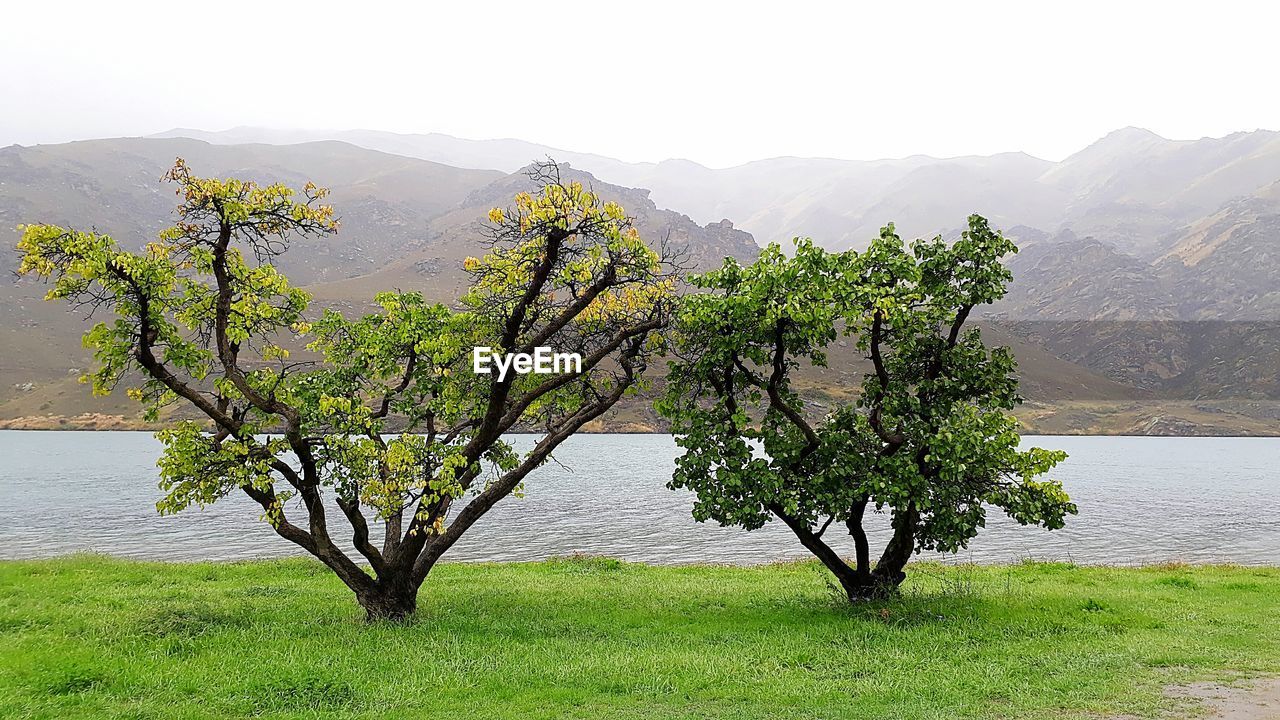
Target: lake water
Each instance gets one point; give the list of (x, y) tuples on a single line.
[(1142, 500)]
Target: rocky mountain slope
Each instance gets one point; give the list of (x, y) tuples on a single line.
[(386, 200), (1201, 321), (1132, 186), (1159, 315), (405, 223)]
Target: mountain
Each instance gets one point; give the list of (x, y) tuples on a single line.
[(435, 266), (1223, 266), (504, 155), (388, 204), (1071, 278), (405, 223), (1140, 188), (1200, 322), (1132, 186), (839, 201), (1227, 264), (385, 200), (1131, 309)]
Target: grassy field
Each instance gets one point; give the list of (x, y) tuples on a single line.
[(90, 637)]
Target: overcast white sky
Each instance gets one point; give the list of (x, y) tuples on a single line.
[(719, 83)]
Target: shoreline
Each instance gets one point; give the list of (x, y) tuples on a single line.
[(6, 425), (787, 564)]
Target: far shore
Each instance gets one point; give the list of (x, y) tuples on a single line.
[(116, 423)]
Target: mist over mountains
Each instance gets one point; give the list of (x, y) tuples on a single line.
[(1170, 229), (1131, 183), (1146, 293), (390, 205)]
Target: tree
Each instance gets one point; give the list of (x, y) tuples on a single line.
[(929, 439), (203, 317)]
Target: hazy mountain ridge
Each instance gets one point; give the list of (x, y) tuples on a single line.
[(1070, 278), (405, 223), (384, 201), (435, 266), (1132, 186), (1227, 264), (1224, 266), (1095, 327)]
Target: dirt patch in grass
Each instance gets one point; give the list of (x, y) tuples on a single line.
[(1256, 700), (1249, 700)]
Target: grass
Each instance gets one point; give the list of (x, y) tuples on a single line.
[(92, 637)]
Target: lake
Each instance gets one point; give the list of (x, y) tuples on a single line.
[(1142, 500)]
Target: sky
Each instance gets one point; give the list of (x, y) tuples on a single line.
[(719, 83)]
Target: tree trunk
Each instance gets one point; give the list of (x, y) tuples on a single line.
[(884, 580), (859, 535), (872, 586), (859, 586), (861, 583), (393, 601)]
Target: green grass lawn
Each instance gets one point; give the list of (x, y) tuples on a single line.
[(90, 637)]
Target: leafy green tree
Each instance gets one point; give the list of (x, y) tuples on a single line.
[(203, 317), (928, 440)]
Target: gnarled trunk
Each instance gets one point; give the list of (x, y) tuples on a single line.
[(393, 595), (862, 582), (870, 586), (389, 600)]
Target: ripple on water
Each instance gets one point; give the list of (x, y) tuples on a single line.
[(1141, 500)]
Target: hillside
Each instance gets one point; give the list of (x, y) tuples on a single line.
[(406, 223), (1107, 340), (386, 200), (1227, 264), (435, 266), (1131, 185), (1070, 278)]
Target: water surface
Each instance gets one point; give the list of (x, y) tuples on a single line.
[(1141, 500)]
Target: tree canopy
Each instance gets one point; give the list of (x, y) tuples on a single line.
[(298, 406), (929, 439)]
